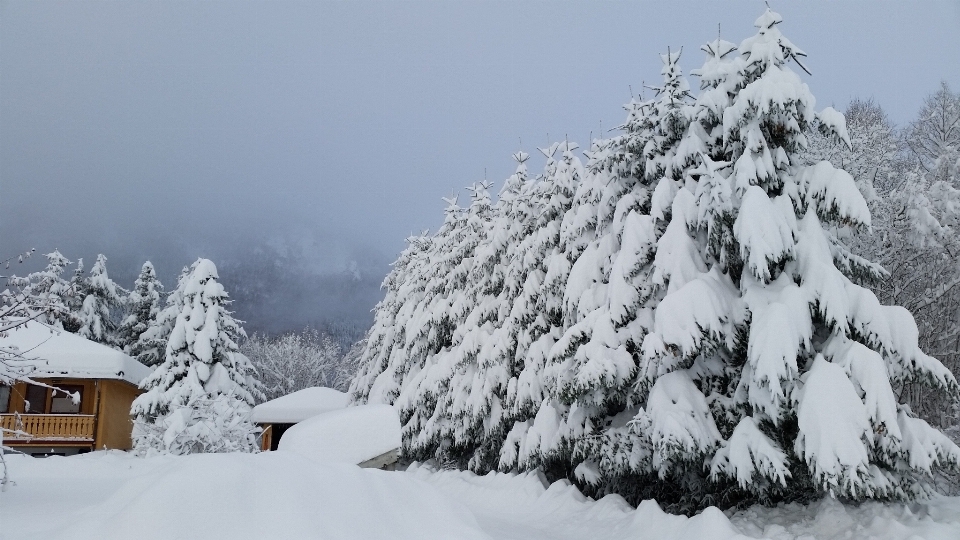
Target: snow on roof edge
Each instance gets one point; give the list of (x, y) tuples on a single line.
[(299, 405), (50, 352)]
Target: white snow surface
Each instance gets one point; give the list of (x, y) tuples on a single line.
[(299, 405), (113, 495), (49, 352), (351, 435)]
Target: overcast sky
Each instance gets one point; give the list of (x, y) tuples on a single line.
[(170, 130)]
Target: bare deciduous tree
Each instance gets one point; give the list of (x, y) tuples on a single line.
[(295, 361)]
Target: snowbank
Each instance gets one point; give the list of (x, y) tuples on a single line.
[(352, 435), (299, 406), (524, 506), (115, 496), (57, 353)]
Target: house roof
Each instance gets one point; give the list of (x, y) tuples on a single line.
[(299, 406), (48, 352)]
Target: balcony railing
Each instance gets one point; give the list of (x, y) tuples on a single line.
[(24, 428)]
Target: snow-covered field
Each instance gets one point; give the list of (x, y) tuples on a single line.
[(280, 495)]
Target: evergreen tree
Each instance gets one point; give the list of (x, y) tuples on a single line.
[(143, 304), (608, 293), (680, 319), (486, 406), (383, 362), (150, 348), (781, 368), (48, 288), (441, 315), (199, 398), (74, 299), (101, 296), (469, 383)]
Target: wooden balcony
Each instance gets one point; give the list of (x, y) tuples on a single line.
[(47, 428)]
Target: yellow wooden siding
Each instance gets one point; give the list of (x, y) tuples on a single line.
[(103, 421), (114, 424)]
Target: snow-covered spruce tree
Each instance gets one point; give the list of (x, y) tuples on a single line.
[(383, 362), (102, 299), (485, 404), (766, 363), (426, 313), (143, 307), (48, 288), (537, 313), (199, 398), (436, 397), (74, 299), (150, 348), (689, 323), (609, 293)]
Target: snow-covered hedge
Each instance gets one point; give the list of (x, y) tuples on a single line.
[(679, 317)]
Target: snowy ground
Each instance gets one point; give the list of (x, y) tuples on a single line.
[(113, 495)]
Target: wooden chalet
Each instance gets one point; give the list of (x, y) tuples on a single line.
[(42, 419)]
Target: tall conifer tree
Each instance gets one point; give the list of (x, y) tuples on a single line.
[(199, 398)]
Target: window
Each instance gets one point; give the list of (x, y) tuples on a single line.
[(36, 399), (62, 401), (4, 398)]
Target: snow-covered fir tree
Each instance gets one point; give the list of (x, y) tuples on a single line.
[(48, 288), (383, 362), (143, 307), (199, 398), (484, 407), (914, 215), (442, 314), (151, 346), (74, 298), (102, 300), (685, 318)]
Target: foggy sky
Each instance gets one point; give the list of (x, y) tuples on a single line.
[(328, 131)]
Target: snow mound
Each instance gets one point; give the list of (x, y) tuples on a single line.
[(114, 495), (299, 406), (352, 435), (511, 505), (938, 518), (239, 496)]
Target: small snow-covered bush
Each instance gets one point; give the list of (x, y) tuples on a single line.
[(220, 424)]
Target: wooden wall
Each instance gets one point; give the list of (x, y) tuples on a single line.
[(87, 404), (114, 424)]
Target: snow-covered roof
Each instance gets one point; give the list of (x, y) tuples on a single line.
[(57, 353), (350, 435), (299, 406)]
